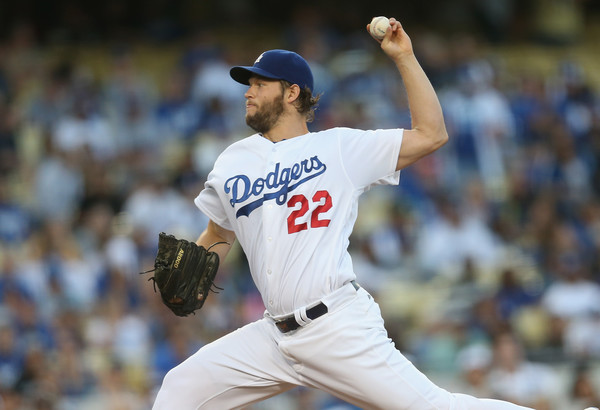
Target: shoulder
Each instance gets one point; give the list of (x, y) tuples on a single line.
[(340, 131), (241, 147), (336, 133), (349, 132), (244, 143), (368, 137)]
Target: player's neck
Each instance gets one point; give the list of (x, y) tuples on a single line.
[(286, 130)]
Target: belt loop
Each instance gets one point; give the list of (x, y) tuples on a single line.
[(301, 317)]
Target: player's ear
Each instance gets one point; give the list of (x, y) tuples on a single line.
[(292, 93)]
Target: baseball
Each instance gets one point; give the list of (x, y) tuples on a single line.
[(379, 26)]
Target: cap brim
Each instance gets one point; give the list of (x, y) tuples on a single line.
[(242, 74)]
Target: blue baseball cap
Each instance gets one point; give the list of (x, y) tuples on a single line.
[(277, 65)]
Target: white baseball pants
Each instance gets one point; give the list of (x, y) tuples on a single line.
[(345, 352)]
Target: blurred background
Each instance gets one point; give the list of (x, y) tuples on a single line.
[(484, 259)]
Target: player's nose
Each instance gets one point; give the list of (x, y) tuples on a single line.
[(249, 93)]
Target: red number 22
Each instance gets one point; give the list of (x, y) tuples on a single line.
[(321, 197)]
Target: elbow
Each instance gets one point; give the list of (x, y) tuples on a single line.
[(434, 136), (438, 138), (442, 138), (440, 134)]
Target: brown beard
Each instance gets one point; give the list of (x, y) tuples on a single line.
[(265, 117)]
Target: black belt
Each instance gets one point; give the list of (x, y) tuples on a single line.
[(289, 324)]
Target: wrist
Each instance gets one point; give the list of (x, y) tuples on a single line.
[(405, 60)]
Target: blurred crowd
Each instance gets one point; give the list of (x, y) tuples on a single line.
[(485, 258)]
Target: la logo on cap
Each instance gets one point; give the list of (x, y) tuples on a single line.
[(259, 58)]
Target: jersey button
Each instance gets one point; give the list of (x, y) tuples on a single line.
[(269, 271), (269, 239)]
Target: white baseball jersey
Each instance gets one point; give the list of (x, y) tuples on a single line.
[(293, 204)]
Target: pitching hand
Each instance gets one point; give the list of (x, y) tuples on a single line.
[(396, 43)]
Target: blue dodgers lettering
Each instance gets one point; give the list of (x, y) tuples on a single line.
[(281, 180)]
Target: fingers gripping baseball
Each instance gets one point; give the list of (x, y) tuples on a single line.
[(394, 40)]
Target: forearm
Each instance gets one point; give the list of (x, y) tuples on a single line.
[(214, 234), (428, 131), (425, 109)]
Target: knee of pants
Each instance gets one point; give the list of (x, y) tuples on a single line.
[(183, 376), (170, 379), (176, 385)]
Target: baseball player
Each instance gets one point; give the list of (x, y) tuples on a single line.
[(289, 196)]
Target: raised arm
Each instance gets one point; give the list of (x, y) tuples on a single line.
[(428, 132), (214, 234)]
